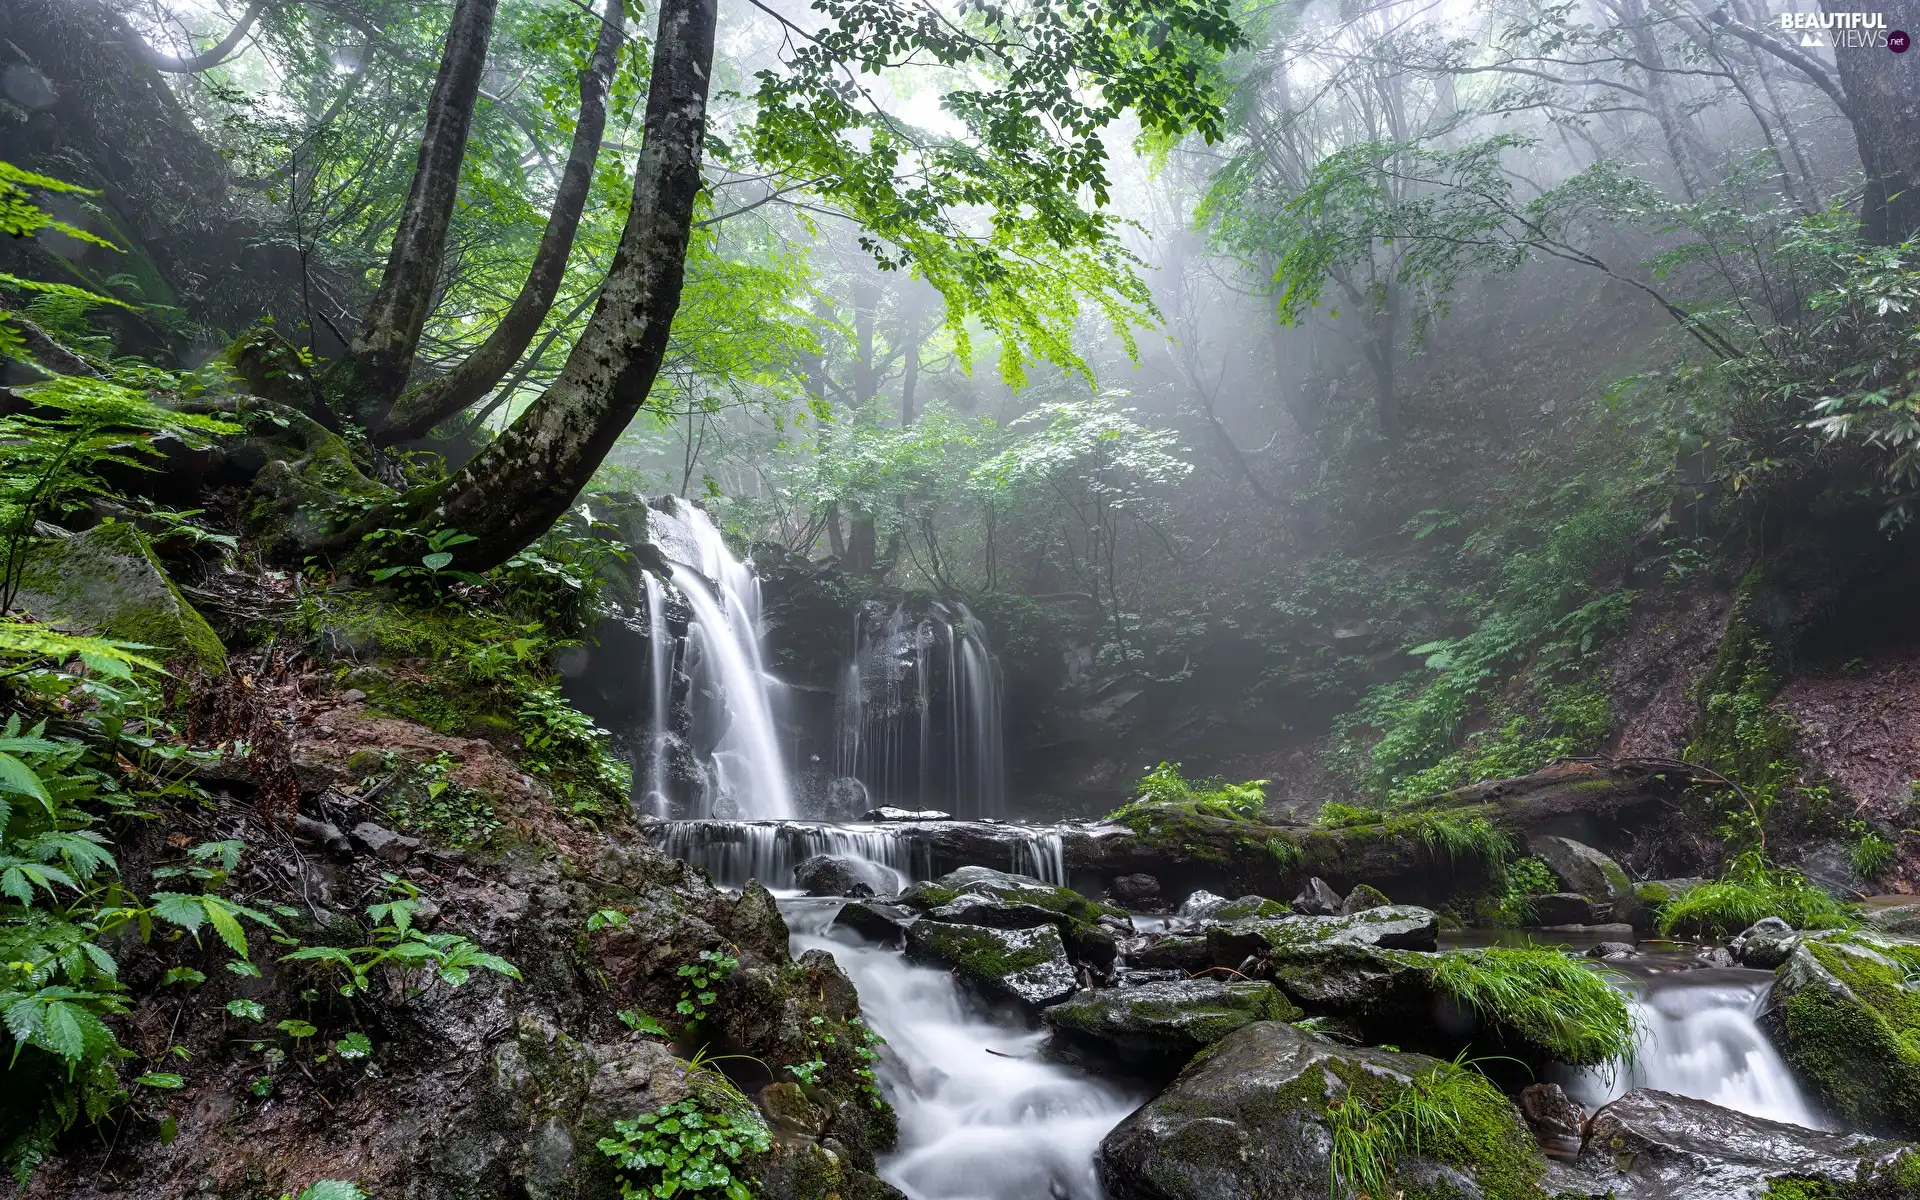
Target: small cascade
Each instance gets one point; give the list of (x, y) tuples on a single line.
[(654, 801), (732, 852), (1700, 1038), (982, 1115), (733, 693), (918, 721)]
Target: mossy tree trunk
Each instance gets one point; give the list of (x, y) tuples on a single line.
[(381, 356), (421, 409), (515, 489)]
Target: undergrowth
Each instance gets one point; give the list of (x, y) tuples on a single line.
[(1449, 1113), (1164, 787), (1562, 1007), (1752, 890)]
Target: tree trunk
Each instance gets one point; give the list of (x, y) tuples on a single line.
[(525, 480), (910, 370), (421, 409), (866, 375), (377, 364), (1883, 102)]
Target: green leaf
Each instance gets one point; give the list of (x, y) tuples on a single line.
[(354, 1045), (436, 560), (162, 1080), (296, 1029), (225, 924), (16, 776), (332, 1189), (249, 1010)]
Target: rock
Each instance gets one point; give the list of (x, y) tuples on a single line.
[(1393, 927), (1249, 906), (886, 813), (1251, 1119), (1612, 931), (384, 844), (1714, 956), (1135, 891), (973, 908), (789, 1112), (1189, 955), (841, 875), (1613, 950), (1025, 965), (1200, 906), (107, 582), (1015, 889), (1561, 908), (1558, 1123), (1829, 866), (324, 833), (1317, 899), (1894, 918), (1157, 1027), (1847, 1021), (352, 696), (1651, 1145), (1362, 898), (876, 921), (1580, 868), (1128, 977), (1764, 945)]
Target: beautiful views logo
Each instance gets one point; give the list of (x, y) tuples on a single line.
[(1837, 30)]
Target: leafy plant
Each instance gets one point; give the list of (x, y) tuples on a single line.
[(425, 797), (1561, 1006), (687, 1147), (1164, 786), (1872, 856), (1750, 890), (713, 968), (403, 951), (1520, 882)]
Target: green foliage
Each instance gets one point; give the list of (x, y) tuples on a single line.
[(702, 977), (1752, 890), (329, 1189), (1522, 880), (1449, 1112), (1164, 787), (412, 959), (1566, 1009), (1872, 856), (686, 1147), (424, 797)]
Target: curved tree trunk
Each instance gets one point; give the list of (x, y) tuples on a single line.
[(421, 409), (206, 59), (1883, 102), (515, 489), (376, 367)]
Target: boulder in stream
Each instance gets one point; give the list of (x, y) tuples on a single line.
[(1652, 1145), (1846, 1018), (1391, 927), (1256, 1116), (1317, 899), (1028, 966), (1157, 1028), (876, 920), (1363, 897), (1580, 868), (841, 875), (1139, 890), (890, 814)]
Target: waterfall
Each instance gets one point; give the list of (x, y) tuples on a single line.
[(732, 852), (654, 801), (919, 720), (1700, 1038), (982, 1115), (748, 775)]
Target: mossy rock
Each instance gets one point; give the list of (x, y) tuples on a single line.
[(1028, 966), (1157, 1028), (1847, 1020), (1250, 907), (1259, 1114), (107, 582)]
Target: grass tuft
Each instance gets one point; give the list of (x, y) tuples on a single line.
[(1562, 1007), (1749, 892)]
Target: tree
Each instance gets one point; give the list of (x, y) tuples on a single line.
[(1048, 79)]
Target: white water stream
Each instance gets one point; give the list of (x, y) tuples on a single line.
[(1699, 1038), (981, 1117)]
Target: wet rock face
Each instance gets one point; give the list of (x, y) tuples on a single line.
[(1027, 966), (1251, 1118), (1847, 1021), (1317, 899), (1651, 1145), (1156, 1028), (1135, 891), (1562, 908), (1764, 945), (834, 875), (1362, 898), (876, 921), (1580, 868), (1558, 1124), (1390, 927)]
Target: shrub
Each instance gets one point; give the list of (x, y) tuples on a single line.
[(1165, 787), (1751, 891), (1562, 1007)]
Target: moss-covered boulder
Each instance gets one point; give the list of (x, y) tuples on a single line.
[(107, 582), (1389, 927), (997, 899), (1582, 869), (1652, 1145), (1027, 966), (1170, 951), (1157, 1028), (1263, 1113), (1845, 1012), (1248, 907)]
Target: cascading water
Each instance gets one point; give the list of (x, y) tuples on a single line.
[(654, 801), (747, 772), (981, 1116), (732, 852), (918, 719), (1699, 1038)]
